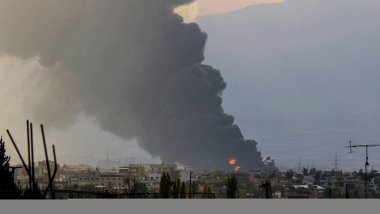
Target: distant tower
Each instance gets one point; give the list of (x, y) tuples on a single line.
[(107, 158), (299, 165), (336, 161)]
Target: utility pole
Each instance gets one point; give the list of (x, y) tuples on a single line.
[(366, 162), (107, 158), (29, 157), (190, 185), (336, 162)]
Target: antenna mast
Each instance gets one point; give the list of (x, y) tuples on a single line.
[(299, 165), (366, 162)]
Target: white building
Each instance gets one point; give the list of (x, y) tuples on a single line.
[(107, 179), (308, 180)]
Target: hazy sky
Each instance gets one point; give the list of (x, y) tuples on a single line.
[(302, 76), (83, 142)]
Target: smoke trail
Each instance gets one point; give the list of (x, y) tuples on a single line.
[(133, 65)]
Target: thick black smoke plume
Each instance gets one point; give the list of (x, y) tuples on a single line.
[(136, 67)]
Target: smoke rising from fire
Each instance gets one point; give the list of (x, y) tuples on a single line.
[(136, 68)]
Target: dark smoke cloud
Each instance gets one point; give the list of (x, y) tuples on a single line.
[(136, 67)]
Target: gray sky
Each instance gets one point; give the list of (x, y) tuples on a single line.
[(302, 77)]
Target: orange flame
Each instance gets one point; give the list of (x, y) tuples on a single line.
[(232, 161), (237, 168)]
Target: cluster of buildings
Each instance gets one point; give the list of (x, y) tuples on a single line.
[(322, 184), (84, 176), (307, 184)]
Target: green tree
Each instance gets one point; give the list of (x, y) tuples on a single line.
[(231, 186), (140, 171), (8, 189), (328, 192), (312, 171), (206, 191), (317, 177), (209, 191), (336, 193), (183, 190), (289, 174), (305, 171), (137, 188), (267, 186), (165, 185), (176, 188)]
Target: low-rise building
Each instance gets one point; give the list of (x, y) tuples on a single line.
[(304, 191)]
